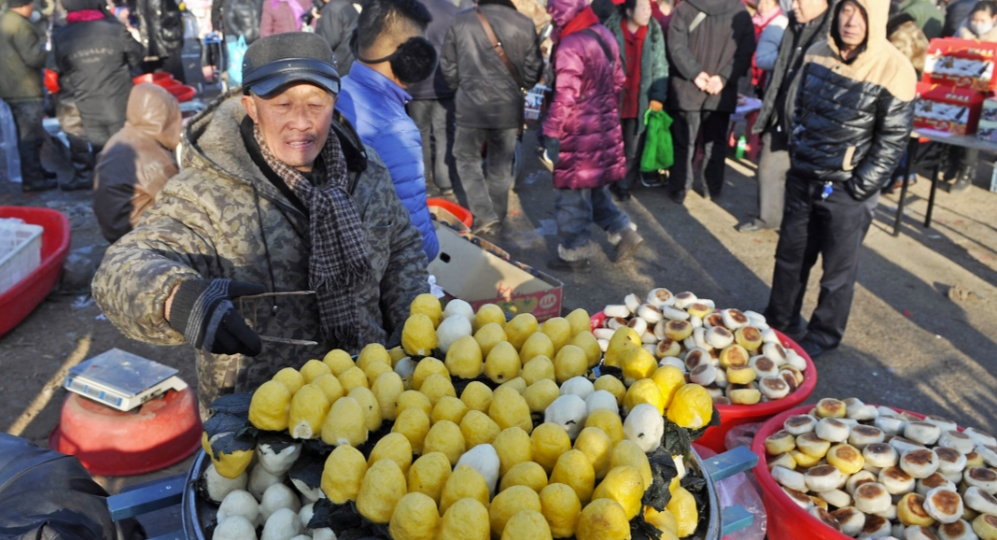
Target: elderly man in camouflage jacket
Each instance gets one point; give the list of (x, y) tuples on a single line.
[(277, 194)]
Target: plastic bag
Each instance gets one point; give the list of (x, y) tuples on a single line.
[(236, 51), (741, 490), (659, 153), (742, 435)]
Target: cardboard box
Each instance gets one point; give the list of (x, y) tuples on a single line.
[(961, 63), (479, 273), (948, 109)]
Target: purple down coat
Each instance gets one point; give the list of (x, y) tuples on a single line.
[(584, 114)]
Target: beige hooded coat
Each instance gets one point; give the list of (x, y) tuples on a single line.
[(137, 161)]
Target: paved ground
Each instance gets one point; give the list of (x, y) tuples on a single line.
[(907, 344)]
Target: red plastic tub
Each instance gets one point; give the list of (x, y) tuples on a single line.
[(108, 442), (732, 416), (182, 92), (787, 521), (19, 301), (461, 213), (154, 78)]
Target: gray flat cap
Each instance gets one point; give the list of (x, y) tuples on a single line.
[(280, 59)]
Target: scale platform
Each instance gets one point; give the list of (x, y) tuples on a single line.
[(122, 380)]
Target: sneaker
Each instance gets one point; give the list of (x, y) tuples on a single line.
[(796, 332), (77, 184), (448, 194), (814, 349), (752, 226), (488, 228), (677, 197), (582, 266), (35, 187), (630, 241)]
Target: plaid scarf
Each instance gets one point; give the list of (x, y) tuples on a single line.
[(339, 263)]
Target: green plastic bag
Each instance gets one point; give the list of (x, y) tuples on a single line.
[(659, 153)]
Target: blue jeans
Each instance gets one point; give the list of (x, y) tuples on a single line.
[(577, 209)]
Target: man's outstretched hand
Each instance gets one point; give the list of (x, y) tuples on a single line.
[(202, 310)]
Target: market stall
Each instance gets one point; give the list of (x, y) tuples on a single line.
[(479, 425)]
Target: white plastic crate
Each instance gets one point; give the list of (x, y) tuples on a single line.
[(20, 251)]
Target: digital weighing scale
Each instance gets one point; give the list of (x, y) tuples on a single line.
[(122, 380)]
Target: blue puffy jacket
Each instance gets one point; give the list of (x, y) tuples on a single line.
[(376, 108)]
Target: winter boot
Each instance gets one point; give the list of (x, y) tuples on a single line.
[(572, 260), (627, 242)]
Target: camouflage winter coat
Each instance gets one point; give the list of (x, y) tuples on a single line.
[(221, 218)]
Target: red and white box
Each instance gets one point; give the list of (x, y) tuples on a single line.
[(944, 108), (962, 63)]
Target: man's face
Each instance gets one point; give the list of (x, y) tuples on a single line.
[(851, 24), (807, 10), (294, 123)]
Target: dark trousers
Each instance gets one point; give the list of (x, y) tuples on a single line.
[(832, 228), (773, 165), (435, 120), (31, 136), (633, 148), (99, 131), (487, 188), (687, 126)]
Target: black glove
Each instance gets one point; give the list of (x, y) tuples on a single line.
[(202, 311)]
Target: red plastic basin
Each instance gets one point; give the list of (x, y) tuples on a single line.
[(461, 213), (182, 92), (732, 416), (20, 300), (787, 520), (154, 78), (109, 442)]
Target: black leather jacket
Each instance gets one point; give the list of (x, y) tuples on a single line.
[(242, 18), (853, 119), (487, 95), (163, 27)]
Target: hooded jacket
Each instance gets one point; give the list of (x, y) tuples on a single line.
[(722, 44), (853, 118), (222, 218), (487, 95), (653, 64), (137, 161), (376, 106), (584, 112), (95, 58)]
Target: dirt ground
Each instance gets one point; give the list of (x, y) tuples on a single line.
[(908, 344)]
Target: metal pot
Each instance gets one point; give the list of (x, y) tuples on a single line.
[(197, 512)]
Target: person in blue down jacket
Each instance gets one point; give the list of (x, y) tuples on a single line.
[(392, 53), (851, 124)]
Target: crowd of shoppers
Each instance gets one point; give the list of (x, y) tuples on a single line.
[(434, 91)]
